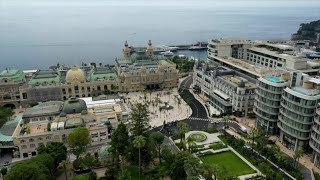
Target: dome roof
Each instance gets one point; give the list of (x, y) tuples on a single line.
[(74, 105), (75, 74)]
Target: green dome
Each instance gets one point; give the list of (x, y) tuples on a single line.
[(74, 105)]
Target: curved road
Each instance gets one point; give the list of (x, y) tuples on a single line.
[(198, 110)]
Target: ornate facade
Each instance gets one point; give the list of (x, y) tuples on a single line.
[(132, 72)]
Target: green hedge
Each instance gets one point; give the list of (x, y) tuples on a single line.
[(217, 146)]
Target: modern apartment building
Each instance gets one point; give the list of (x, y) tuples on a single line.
[(297, 112), (267, 101), (258, 59), (226, 90), (315, 138), (286, 105)]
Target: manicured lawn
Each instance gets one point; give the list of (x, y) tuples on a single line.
[(233, 165)]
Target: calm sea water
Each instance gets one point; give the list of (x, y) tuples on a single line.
[(40, 33)]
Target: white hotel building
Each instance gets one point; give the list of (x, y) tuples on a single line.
[(258, 59)]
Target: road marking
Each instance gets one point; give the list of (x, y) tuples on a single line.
[(204, 119)]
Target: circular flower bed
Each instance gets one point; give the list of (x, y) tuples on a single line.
[(198, 137)]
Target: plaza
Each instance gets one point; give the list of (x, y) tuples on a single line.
[(164, 106)]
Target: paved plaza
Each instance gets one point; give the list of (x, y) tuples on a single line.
[(173, 107)]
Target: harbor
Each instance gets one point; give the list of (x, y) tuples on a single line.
[(172, 48)]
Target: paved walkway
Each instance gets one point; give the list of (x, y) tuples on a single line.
[(304, 160), (174, 111)]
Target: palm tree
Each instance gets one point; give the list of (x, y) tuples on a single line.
[(253, 135), (225, 120), (183, 129), (65, 166), (207, 171), (139, 142), (280, 156), (297, 155), (179, 102), (191, 143), (145, 96), (157, 100)]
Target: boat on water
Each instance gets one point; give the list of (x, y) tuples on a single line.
[(167, 53), (198, 46), (194, 48), (164, 48)]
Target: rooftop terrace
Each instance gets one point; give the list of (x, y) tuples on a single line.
[(236, 80), (275, 79)]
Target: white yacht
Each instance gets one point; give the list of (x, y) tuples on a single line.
[(167, 53)]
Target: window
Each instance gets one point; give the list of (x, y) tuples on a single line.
[(31, 140), (48, 137), (32, 145)]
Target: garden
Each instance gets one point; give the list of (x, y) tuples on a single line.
[(232, 165)]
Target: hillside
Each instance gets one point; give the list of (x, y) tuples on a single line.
[(307, 31)]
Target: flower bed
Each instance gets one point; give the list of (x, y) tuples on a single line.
[(198, 137)]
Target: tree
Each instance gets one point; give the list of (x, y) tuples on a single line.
[(191, 143), (119, 141), (4, 171), (140, 118), (145, 96), (160, 110), (183, 129), (158, 138), (139, 142), (167, 156), (279, 156), (27, 170), (46, 160), (5, 114), (297, 155), (192, 167), (225, 120), (57, 150), (182, 163), (124, 174), (253, 135), (78, 140), (157, 100), (207, 171)]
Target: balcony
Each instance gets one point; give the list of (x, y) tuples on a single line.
[(297, 112), (298, 104), (315, 130), (263, 117), (311, 143), (257, 106), (268, 90), (262, 95), (266, 104), (293, 127), (314, 138), (290, 134), (294, 119)]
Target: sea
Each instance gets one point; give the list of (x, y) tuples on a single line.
[(35, 34)]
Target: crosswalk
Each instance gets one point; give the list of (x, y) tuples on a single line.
[(212, 120)]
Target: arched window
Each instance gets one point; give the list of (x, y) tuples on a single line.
[(31, 140)]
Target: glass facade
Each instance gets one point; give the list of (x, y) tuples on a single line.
[(267, 104), (296, 118)]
